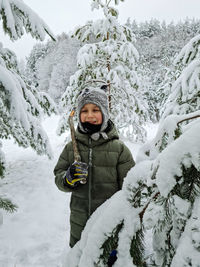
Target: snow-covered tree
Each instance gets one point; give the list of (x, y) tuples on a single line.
[(17, 17), (164, 87), (185, 92), (19, 106), (158, 44), (31, 70), (160, 194), (56, 67), (148, 84), (49, 66), (112, 59)]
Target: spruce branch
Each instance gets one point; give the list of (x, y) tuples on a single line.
[(7, 205), (111, 243), (137, 249), (2, 169), (49, 33), (169, 244), (141, 214), (190, 187)]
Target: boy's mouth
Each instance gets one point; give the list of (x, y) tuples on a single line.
[(92, 122)]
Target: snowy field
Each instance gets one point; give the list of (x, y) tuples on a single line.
[(37, 234)]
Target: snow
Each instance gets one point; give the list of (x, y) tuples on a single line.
[(189, 51), (18, 105), (37, 234), (183, 151), (189, 244), (115, 210), (160, 172), (112, 58), (19, 17)]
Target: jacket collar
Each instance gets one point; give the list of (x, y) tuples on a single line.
[(86, 139)]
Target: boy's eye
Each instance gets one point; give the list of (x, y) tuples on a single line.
[(95, 110), (83, 111)]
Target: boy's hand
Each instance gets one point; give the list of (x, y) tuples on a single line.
[(77, 173)]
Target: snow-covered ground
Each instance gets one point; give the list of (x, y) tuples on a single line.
[(37, 234)]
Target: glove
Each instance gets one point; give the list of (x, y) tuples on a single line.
[(112, 258), (76, 173)]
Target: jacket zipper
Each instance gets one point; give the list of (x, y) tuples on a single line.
[(90, 177)]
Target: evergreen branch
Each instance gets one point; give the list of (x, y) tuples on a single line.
[(141, 214), (169, 244), (7, 205), (111, 243), (136, 196), (2, 168), (78, 30), (137, 249), (186, 119), (52, 37), (192, 187), (187, 189)]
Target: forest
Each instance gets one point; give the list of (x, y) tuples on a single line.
[(153, 74)]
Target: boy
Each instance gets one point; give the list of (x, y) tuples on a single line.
[(105, 160)]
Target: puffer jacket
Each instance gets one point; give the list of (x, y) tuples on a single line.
[(109, 160)]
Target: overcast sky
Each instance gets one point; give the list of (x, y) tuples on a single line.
[(64, 15)]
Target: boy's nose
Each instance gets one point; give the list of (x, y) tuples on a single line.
[(90, 114)]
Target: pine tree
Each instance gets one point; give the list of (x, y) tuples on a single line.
[(178, 216), (112, 59), (185, 92), (56, 67), (158, 44), (31, 70), (17, 17), (161, 193), (19, 104)]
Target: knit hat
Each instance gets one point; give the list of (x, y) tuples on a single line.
[(98, 97)]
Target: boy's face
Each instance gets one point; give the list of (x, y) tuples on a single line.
[(91, 113)]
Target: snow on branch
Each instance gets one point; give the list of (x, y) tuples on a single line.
[(112, 58), (189, 52), (115, 210), (189, 243), (17, 108), (17, 16), (184, 151), (168, 130), (151, 198), (100, 29), (189, 117), (184, 97)]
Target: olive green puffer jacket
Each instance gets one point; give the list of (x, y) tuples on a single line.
[(108, 160)]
